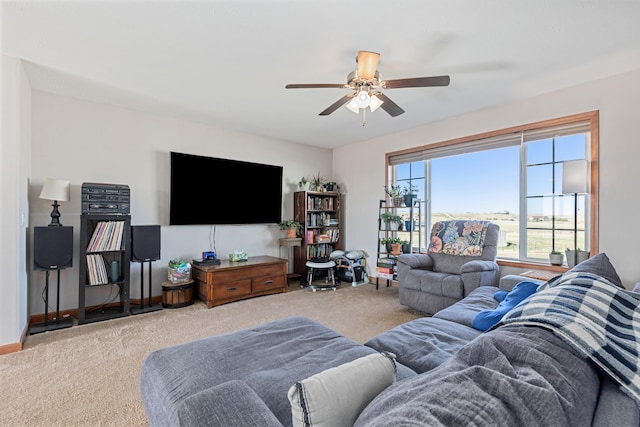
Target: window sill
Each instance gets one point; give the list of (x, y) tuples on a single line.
[(531, 265)]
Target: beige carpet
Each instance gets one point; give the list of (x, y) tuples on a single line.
[(89, 375)]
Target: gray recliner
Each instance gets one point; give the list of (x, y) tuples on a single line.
[(449, 271)]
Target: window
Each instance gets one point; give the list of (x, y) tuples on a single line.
[(514, 178)]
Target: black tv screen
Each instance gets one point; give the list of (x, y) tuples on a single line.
[(214, 191)]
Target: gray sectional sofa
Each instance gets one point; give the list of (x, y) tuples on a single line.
[(446, 372)]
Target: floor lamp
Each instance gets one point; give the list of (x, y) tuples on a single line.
[(574, 181)]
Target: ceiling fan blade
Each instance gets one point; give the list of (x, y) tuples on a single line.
[(339, 103), (367, 64), (389, 106), (417, 82), (316, 85)]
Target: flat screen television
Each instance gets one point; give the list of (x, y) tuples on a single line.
[(214, 191)]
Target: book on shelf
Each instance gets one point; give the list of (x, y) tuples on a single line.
[(310, 238), (317, 203), (115, 241), (385, 275), (322, 219), (386, 262), (97, 269), (107, 236), (95, 237), (319, 251)]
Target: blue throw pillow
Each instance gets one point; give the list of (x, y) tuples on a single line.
[(484, 320)]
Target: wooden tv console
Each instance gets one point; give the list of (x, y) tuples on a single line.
[(232, 281)]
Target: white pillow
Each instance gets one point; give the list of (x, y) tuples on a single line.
[(335, 397)]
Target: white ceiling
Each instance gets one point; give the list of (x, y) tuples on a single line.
[(226, 62)]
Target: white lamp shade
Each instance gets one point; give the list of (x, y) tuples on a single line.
[(575, 177), (375, 103), (56, 189), (351, 105), (362, 99)]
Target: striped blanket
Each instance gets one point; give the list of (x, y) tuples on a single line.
[(598, 319)]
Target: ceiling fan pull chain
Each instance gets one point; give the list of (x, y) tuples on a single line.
[(364, 116)]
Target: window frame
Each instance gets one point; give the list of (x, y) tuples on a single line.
[(592, 117)]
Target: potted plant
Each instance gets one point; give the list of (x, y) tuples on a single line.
[(575, 257), (396, 245), (332, 186), (291, 227), (395, 193), (409, 192), (303, 184), (556, 257), (385, 243), (317, 182), (391, 220), (393, 245)]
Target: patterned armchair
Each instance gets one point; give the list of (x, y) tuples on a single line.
[(461, 257)]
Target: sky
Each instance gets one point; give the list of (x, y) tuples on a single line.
[(488, 181)]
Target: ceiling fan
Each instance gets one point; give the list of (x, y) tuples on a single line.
[(366, 86)]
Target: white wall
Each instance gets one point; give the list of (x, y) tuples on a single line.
[(87, 142), (14, 158), (616, 98)]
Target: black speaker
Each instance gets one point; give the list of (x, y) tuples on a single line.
[(52, 247), (145, 243)]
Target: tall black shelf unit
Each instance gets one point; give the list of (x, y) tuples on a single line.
[(411, 231), (109, 310)]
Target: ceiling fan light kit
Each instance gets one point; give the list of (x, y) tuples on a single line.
[(365, 86), (363, 100)]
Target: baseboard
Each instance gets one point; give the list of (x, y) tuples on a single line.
[(10, 348), (15, 347)]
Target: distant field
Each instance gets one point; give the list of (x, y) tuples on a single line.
[(539, 241)]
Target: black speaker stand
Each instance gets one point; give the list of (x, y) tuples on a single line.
[(57, 323), (149, 306)]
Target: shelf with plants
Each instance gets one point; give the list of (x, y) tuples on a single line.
[(399, 231), (321, 231)]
